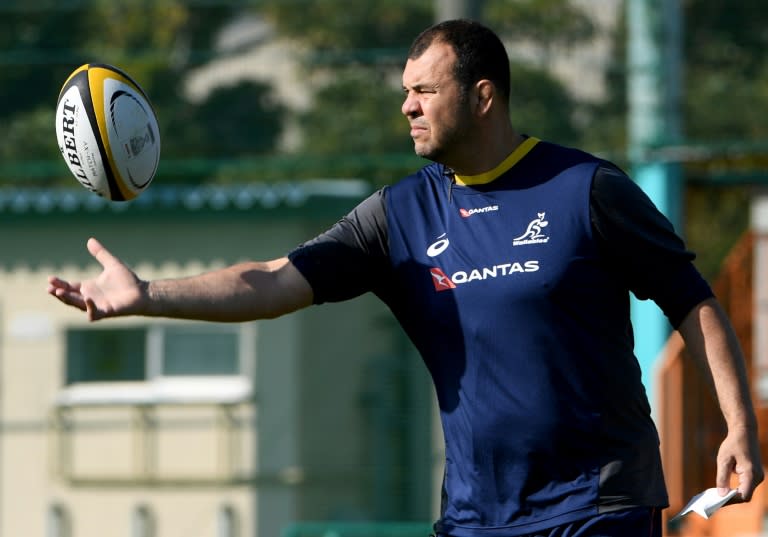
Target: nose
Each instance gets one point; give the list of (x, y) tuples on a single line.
[(411, 107)]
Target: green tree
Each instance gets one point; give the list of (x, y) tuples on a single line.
[(354, 127), (606, 131), (725, 103), (541, 105), (340, 25), (35, 59), (361, 49), (35, 54), (726, 75), (158, 43), (547, 25), (358, 115)]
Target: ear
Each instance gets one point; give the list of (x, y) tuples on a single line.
[(483, 95)]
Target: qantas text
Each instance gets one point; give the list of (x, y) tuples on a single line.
[(442, 282)]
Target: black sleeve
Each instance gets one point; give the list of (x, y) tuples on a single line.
[(351, 257), (641, 245)]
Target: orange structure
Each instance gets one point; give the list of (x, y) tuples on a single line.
[(689, 421)]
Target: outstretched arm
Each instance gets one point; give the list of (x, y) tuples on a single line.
[(710, 339), (241, 292)]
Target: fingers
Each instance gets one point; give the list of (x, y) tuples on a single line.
[(723, 477), (65, 292), (73, 294), (102, 255), (744, 488), (54, 282), (58, 287), (749, 478), (748, 469), (90, 309)]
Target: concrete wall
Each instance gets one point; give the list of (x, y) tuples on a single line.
[(304, 450)]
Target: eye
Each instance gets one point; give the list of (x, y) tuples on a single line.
[(419, 90)]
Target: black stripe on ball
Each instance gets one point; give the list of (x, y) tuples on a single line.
[(82, 82)]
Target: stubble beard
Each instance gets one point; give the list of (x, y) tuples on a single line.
[(443, 149), (438, 149), (451, 138), (427, 152)]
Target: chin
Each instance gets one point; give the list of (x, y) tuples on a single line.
[(430, 155), (426, 152)]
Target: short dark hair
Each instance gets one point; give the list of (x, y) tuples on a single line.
[(480, 54)]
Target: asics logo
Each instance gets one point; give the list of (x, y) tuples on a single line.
[(438, 247)]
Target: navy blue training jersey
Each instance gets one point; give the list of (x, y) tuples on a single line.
[(520, 308)]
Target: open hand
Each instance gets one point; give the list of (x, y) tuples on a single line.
[(116, 291)]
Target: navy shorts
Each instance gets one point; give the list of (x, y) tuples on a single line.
[(632, 522)]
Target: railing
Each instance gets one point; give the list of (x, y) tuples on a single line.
[(154, 444)]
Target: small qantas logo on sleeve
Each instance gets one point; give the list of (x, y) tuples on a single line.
[(466, 213)]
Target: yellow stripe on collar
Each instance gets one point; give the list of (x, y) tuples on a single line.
[(506, 164)]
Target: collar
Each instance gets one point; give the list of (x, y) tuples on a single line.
[(513, 158)]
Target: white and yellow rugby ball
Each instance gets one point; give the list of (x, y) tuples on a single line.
[(107, 132)]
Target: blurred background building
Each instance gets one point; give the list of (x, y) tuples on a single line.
[(277, 117)]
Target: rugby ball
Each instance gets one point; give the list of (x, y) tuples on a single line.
[(107, 132)]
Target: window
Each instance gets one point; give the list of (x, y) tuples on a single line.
[(194, 350), (105, 355), (174, 361), (148, 352)]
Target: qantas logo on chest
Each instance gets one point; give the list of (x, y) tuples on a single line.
[(443, 282)]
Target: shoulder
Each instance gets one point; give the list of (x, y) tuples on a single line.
[(549, 160), (428, 175), (569, 155), (613, 191)]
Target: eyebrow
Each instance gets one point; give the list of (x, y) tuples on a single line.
[(422, 87)]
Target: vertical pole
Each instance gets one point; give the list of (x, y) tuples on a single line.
[(759, 226), (654, 89)]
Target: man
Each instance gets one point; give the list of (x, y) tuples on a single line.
[(509, 262)]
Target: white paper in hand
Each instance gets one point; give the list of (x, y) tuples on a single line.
[(706, 503)]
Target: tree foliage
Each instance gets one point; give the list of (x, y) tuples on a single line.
[(542, 106), (352, 55), (358, 113), (344, 25), (158, 43), (726, 74), (364, 45), (725, 103), (545, 24)]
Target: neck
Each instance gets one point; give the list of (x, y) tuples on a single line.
[(488, 152)]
